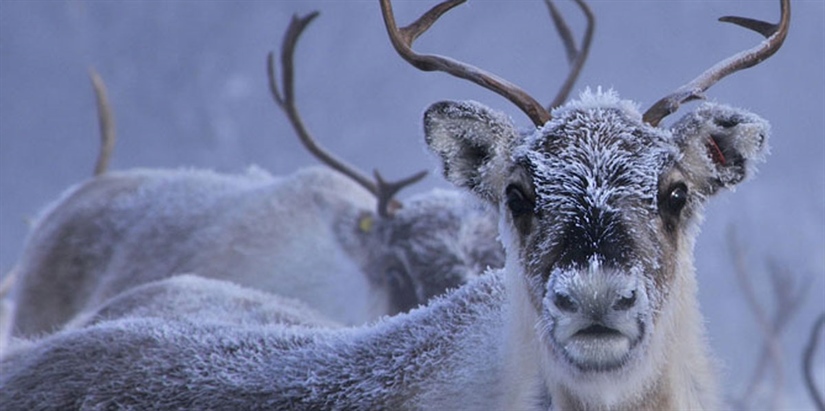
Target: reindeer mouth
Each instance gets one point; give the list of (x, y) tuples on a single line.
[(599, 348), (595, 317)]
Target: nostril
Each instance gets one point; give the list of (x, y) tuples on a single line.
[(564, 302), (625, 303)]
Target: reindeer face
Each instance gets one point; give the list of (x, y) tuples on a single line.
[(584, 201), (438, 241), (596, 210)]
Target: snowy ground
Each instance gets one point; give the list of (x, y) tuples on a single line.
[(188, 86)]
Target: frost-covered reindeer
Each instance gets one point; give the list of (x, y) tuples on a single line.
[(315, 235), (595, 307)]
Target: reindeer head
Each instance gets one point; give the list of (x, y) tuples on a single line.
[(598, 206), (437, 242), (597, 209)]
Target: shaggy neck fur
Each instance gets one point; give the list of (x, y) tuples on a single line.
[(442, 356)]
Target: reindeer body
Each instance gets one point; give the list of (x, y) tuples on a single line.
[(127, 228), (310, 236), (594, 309), (195, 298)]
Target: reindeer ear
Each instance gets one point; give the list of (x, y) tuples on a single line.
[(471, 140), (721, 145)]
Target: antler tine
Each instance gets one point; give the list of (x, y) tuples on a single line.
[(106, 120), (402, 40), (387, 190), (575, 57), (775, 34), (383, 191)]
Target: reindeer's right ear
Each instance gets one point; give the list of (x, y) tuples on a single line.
[(471, 140)]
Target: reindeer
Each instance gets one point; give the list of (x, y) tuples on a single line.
[(128, 228), (595, 307)]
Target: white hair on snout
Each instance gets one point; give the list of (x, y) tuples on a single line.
[(595, 282)]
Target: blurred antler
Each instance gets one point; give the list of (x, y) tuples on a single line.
[(576, 57), (382, 190), (808, 362), (775, 34), (106, 119), (788, 296)]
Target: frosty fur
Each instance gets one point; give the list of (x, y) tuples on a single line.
[(195, 298), (494, 342), (114, 232)]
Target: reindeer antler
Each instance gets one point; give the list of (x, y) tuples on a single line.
[(403, 38), (106, 119), (576, 57), (383, 191), (775, 34)]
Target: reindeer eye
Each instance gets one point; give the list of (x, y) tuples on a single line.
[(517, 202), (676, 198)]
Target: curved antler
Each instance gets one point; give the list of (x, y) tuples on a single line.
[(775, 34), (106, 120), (403, 38), (383, 191), (575, 57)]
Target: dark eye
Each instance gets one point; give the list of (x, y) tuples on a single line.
[(517, 202), (675, 199)]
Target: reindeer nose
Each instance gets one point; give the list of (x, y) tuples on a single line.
[(594, 302)]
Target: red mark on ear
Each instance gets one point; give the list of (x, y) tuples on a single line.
[(715, 152)]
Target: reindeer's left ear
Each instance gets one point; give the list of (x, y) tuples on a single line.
[(721, 145), (471, 140)]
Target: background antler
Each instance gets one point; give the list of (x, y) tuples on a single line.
[(383, 191), (106, 119), (576, 57), (775, 34), (788, 294), (808, 362)]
